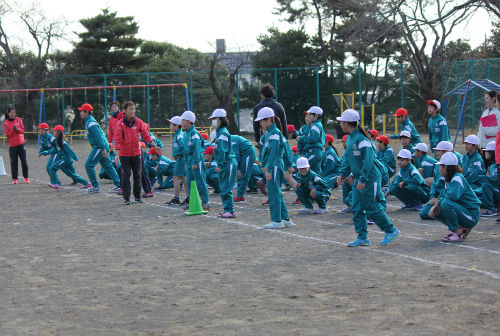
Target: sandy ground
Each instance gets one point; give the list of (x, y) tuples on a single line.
[(78, 264)]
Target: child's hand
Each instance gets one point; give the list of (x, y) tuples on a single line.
[(313, 193), (217, 169), (269, 177), (340, 180), (401, 185), (194, 167), (421, 170), (360, 186), (104, 154)]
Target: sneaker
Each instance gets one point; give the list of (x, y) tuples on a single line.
[(153, 181), (408, 207), (119, 192), (488, 213), (262, 187), (159, 189), (86, 186), (74, 183), (386, 191), (346, 210), (126, 203), (174, 201), (389, 237), (94, 190), (297, 202), (27, 180), (226, 215), (186, 201), (452, 237), (274, 225), (266, 203), (370, 221), (148, 195), (287, 222), (55, 186), (207, 207), (418, 207), (320, 211), (359, 242), (463, 232), (115, 189), (306, 211), (14, 181), (238, 199), (253, 191), (139, 200)]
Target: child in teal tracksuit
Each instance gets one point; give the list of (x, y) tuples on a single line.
[(472, 162), (310, 187), (47, 142), (458, 206), (405, 140), (406, 125), (409, 186), (385, 154), (272, 162), (488, 192), (180, 163), (367, 197), (312, 139), (227, 167), (347, 183), (211, 175), (193, 144), (295, 155), (245, 156), (423, 162), (63, 159), (159, 168), (112, 158), (438, 127), (330, 166), (256, 175), (156, 141)]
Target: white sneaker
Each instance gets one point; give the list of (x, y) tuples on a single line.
[(306, 211), (320, 211), (347, 209), (274, 225), (115, 189), (287, 223), (94, 190)]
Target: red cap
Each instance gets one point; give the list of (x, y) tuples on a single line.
[(86, 107), (147, 125), (59, 128), (295, 149), (143, 145), (209, 150), (205, 136), (400, 112), (153, 151), (344, 138), (374, 132), (329, 138), (43, 126), (383, 139), (290, 128)]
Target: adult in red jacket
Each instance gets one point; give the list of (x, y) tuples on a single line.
[(14, 131), (128, 148), (497, 149), (116, 116)]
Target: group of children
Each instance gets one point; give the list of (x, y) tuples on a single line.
[(445, 185)]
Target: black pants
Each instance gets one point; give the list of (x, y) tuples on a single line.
[(146, 183), (498, 182), (128, 163), (14, 153)]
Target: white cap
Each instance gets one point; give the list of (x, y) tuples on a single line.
[(448, 159), (265, 112), (490, 146), (405, 134), (435, 102), (315, 110), (213, 135), (218, 113), (422, 147), (405, 154), (188, 115), (175, 120), (302, 162), (472, 139), (349, 115), (445, 146)]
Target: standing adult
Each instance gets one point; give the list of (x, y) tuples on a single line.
[(267, 100), (14, 131), (497, 149), (490, 119)]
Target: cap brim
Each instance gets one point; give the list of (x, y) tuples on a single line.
[(339, 118)]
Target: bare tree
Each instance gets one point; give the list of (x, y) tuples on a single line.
[(28, 69)]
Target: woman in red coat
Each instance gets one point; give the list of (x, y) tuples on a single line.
[(14, 131)]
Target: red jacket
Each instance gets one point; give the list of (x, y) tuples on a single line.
[(112, 122), (127, 138), (497, 147), (16, 138)]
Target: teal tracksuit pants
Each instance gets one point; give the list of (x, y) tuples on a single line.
[(227, 178), (47, 167), (67, 169), (198, 175), (489, 196), (347, 194), (454, 215), (315, 157), (303, 195), (245, 167), (331, 180), (277, 203), (255, 175), (93, 159), (410, 194)]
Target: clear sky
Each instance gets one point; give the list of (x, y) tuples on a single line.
[(196, 23)]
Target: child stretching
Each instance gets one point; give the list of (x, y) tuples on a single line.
[(211, 175), (180, 164), (472, 162), (312, 138), (331, 163), (385, 154), (406, 125), (244, 153), (112, 158), (46, 144), (488, 192), (163, 171), (310, 187), (347, 184)]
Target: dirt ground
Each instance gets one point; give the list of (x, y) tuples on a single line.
[(78, 264)]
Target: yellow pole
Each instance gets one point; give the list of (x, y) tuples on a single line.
[(396, 126), (373, 116), (383, 123), (363, 116), (341, 103)]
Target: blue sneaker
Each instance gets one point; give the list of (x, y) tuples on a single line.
[(389, 237), (274, 225), (408, 207), (359, 242), (417, 207)]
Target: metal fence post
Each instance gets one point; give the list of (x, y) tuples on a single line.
[(360, 88), (191, 90)]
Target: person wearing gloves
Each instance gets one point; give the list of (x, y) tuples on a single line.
[(245, 155), (163, 170), (312, 138), (310, 187), (406, 125), (99, 152), (409, 186), (472, 162), (193, 144), (405, 140), (424, 163), (14, 131), (127, 139), (212, 176), (63, 159), (458, 206), (46, 144), (490, 120), (438, 127), (488, 192), (347, 184), (385, 154), (367, 197), (331, 163), (272, 165), (227, 167), (180, 163)]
